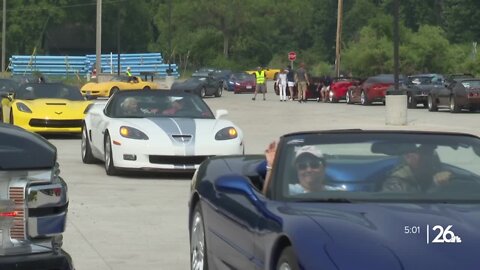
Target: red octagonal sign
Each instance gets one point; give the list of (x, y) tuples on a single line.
[(292, 56)]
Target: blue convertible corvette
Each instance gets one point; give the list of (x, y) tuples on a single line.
[(347, 199)]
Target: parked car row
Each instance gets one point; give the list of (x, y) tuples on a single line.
[(455, 92)]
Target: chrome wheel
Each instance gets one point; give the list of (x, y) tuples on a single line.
[(363, 98), (454, 108), (109, 164), (432, 105), (86, 150), (108, 152), (347, 98), (284, 266), (84, 143), (197, 242)]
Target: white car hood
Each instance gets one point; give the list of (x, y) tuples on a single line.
[(179, 131)]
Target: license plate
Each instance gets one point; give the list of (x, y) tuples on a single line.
[(249, 87), (89, 92)]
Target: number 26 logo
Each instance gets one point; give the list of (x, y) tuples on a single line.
[(445, 235)]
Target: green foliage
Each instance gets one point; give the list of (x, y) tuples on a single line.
[(436, 35), (323, 68)]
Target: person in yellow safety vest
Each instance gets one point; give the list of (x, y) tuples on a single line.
[(129, 74), (261, 85)]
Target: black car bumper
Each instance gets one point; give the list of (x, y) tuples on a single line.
[(43, 261)]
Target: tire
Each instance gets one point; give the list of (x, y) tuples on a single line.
[(86, 149), (411, 102), (432, 104), (219, 92), (1, 115), (203, 92), (287, 260), (12, 122), (348, 97), (454, 108), (146, 88), (198, 245), (425, 104), (113, 91), (364, 98), (109, 165)]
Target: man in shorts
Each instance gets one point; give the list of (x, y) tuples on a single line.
[(261, 82)]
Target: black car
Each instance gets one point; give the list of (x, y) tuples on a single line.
[(7, 85), (201, 84), (460, 93), (419, 86)]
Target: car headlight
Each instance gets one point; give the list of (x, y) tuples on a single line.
[(23, 108), (87, 108), (132, 133), (227, 133)]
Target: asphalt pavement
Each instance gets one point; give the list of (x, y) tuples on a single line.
[(139, 221)]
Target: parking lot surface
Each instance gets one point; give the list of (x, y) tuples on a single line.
[(139, 221)]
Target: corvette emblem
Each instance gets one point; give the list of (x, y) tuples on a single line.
[(58, 112)]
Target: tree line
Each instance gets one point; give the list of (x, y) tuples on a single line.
[(436, 35)]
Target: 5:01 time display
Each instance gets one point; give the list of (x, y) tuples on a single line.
[(411, 229)]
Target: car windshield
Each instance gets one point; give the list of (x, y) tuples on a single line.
[(119, 79), (420, 80), (471, 84), (146, 104), (390, 167), (7, 85), (242, 76), (47, 90)]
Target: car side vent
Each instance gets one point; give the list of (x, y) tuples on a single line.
[(17, 231)]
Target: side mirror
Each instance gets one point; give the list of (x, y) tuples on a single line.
[(220, 113)]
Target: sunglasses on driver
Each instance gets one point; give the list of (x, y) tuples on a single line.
[(313, 164)]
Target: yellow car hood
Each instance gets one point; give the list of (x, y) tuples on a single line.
[(56, 108), (97, 86)]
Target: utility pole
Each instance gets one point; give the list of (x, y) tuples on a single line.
[(4, 30), (98, 62), (169, 37), (118, 41), (396, 42), (339, 39)]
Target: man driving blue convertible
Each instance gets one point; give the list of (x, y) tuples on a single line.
[(418, 172)]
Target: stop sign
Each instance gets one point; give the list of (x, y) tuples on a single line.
[(292, 56)]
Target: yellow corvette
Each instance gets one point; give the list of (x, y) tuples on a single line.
[(270, 73), (45, 108), (107, 89)]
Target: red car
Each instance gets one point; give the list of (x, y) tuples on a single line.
[(371, 90), (339, 87), (241, 83), (313, 89)]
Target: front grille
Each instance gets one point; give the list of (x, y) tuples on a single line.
[(55, 123), (177, 160), (17, 231)]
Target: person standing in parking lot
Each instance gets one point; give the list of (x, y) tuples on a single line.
[(282, 85), (261, 85), (301, 78), (290, 81)]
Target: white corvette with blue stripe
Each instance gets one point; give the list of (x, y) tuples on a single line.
[(156, 131)]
